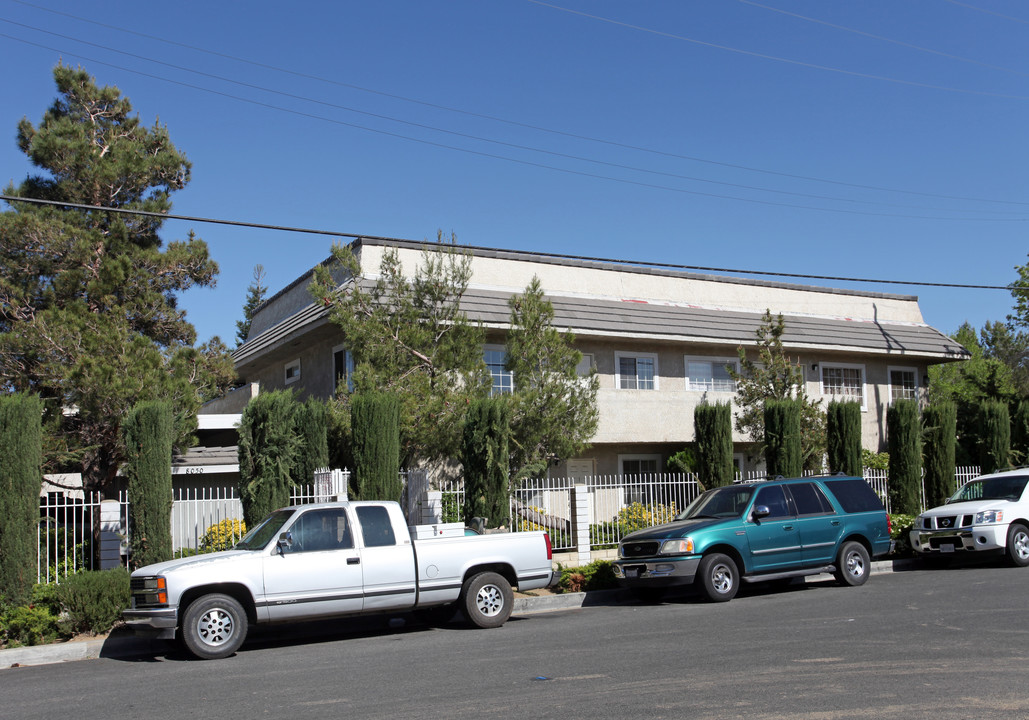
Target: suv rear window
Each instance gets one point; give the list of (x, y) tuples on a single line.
[(854, 495)]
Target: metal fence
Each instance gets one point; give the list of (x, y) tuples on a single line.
[(83, 532)]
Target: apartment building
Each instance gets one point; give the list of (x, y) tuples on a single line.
[(659, 338)]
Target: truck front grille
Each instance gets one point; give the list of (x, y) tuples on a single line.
[(639, 549)]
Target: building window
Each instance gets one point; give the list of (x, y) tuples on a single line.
[(710, 374), (503, 379), (342, 368), (636, 372), (844, 382), (903, 384), (292, 371)]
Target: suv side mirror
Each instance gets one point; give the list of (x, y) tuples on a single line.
[(760, 511), (285, 542)]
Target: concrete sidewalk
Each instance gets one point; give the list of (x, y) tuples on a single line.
[(121, 643)]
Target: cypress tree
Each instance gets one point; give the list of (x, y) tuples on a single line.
[(1020, 433), (375, 422), (148, 430), (267, 450), (783, 454), (939, 426), (484, 455), (713, 427), (312, 426), (21, 441), (843, 436), (905, 473), (994, 436)]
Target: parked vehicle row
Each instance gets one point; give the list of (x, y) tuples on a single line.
[(348, 558)]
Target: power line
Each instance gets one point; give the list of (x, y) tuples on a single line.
[(901, 43), (515, 123), (776, 58), (334, 233), (495, 156)]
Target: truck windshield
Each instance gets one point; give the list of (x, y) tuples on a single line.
[(260, 536), (724, 502), (995, 488)]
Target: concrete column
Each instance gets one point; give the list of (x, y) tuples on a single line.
[(581, 522), (112, 534)]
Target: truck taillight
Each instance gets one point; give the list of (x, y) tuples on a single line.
[(550, 548)]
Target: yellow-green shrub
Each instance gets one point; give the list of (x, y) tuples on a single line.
[(223, 535)]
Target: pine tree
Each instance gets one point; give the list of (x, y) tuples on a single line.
[(409, 337), (904, 440), (939, 428), (553, 408), (1020, 433), (20, 479), (843, 438), (267, 451), (713, 424), (312, 427), (783, 455), (376, 428), (484, 457), (89, 320), (148, 430), (774, 376), (255, 296), (994, 436)]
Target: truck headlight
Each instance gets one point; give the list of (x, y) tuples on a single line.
[(151, 591), (989, 516), (679, 546)]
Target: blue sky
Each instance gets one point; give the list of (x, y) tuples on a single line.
[(881, 139)]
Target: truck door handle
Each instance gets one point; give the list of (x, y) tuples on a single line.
[(354, 561), (836, 523), (787, 527)]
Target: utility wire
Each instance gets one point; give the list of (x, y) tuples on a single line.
[(529, 163), (776, 58), (514, 123), (901, 43), (334, 233), (988, 12)]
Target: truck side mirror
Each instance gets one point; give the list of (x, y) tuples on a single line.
[(760, 511), (285, 542)]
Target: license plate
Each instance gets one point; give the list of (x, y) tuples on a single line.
[(632, 572), (946, 547)]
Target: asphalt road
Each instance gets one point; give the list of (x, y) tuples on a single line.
[(923, 644)]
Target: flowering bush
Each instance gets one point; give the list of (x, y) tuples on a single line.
[(223, 535), (638, 516)]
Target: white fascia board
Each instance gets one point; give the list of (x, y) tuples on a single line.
[(219, 421), (204, 469)]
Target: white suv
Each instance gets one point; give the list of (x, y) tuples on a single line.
[(988, 513)]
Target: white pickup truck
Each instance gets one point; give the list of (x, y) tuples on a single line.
[(329, 560), (988, 514)]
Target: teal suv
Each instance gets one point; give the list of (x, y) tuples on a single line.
[(754, 532)]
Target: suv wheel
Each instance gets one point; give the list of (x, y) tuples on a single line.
[(1018, 545), (852, 564), (719, 577)]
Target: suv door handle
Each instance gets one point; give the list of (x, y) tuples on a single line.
[(787, 527), (354, 561), (836, 523)]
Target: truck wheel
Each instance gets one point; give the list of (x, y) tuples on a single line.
[(214, 626), (486, 600), (1018, 545), (719, 577), (852, 564)]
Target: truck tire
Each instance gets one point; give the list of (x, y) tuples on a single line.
[(487, 600), (214, 626), (719, 577), (1018, 545), (852, 564)]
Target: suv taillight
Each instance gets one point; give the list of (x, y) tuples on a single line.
[(889, 525)]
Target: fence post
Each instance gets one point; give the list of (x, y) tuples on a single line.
[(111, 534), (581, 521), (432, 507)]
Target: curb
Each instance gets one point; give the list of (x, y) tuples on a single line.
[(121, 643)]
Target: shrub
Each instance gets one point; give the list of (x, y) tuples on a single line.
[(783, 454), (94, 600), (451, 510), (267, 450), (47, 595), (874, 460), (20, 458), (29, 625), (994, 436), (903, 434), (901, 525), (637, 516), (484, 456), (223, 535), (939, 426), (598, 575), (713, 428), (843, 437), (375, 423), (148, 432)]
